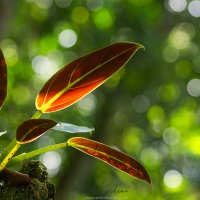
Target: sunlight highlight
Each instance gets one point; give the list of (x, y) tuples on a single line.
[(177, 5), (193, 87), (173, 179), (63, 3), (87, 105), (51, 161), (95, 5), (171, 136), (40, 64), (194, 8), (67, 38)]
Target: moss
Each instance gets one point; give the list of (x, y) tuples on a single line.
[(39, 189), (35, 169)]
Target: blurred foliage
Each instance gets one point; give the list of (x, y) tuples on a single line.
[(150, 109)]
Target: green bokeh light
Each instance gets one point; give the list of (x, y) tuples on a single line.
[(103, 18), (156, 114), (80, 14), (168, 92)]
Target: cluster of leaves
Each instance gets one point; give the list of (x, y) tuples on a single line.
[(63, 89)]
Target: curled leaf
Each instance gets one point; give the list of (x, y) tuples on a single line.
[(82, 76), (3, 79), (32, 129), (111, 156), (70, 128)]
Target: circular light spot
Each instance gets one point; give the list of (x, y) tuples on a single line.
[(11, 56), (9, 49), (170, 54), (80, 14), (171, 136), (131, 139), (141, 103), (168, 92), (156, 114), (67, 38), (181, 35), (95, 5), (86, 106), (172, 179), (180, 39), (177, 5), (51, 161), (151, 157), (103, 18), (21, 95), (40, 64), (63, 3), (44, 3), (193, 87), (194, 8)]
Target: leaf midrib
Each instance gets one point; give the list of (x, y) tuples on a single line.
[(48, 104)]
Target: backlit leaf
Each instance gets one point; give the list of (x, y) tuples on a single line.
[(82, 76), (111, 156), (32, 129), (70, 128), (3, 79)]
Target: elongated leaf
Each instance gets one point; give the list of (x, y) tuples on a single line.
[(70, 128), (111, 156), (3, 79), (32, 129), (82, 76)]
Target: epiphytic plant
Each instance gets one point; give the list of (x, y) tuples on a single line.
[(67, 86)]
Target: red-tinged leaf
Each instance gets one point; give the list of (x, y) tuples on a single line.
[(82, 76), (3, 79), (32, 129), (111, 156)]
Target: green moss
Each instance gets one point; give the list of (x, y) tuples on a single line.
[(35, 169), (39, 189)]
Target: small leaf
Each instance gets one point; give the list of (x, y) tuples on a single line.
[(70, 128), (3, 79), (111, 156), (82, 76), (32, 129)]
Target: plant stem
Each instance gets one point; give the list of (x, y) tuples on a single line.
[(9, 156), (25, 156), (13, 146), (37, 115), (7, 149)]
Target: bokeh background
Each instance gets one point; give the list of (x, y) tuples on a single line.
[(149, 109)]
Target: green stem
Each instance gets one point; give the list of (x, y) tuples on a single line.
[(7, 149), (12, 147), (37, 115), (24, 156), (9, 156)]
